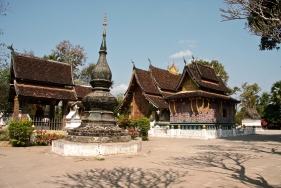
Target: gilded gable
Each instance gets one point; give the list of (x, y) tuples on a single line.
[(173, 69), (189, 85)]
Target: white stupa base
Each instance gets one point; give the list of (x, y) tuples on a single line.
[(68, 148)]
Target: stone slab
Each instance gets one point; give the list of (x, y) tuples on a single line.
[(67, 148)]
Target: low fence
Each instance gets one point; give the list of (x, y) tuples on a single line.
[(199, 132), (47, 124)]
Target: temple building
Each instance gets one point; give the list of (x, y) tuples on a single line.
[(146, 92), (38, 81), (196, 96), (43, 84)]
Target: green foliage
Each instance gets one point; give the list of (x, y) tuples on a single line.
[(4, 135), (239, 116), (272, 113), (124, 122), (5, 106), (144, 125), (43, 138), (20, 132), (249, 95), (262, 102), (263, 19), (86, 74), (233, 90), (276, 92)]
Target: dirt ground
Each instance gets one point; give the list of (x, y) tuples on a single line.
[(244, 161)]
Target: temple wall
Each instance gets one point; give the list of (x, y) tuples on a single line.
[(183, 111), (140, 104)]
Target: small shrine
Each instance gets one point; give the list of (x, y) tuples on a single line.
[(251, 118)]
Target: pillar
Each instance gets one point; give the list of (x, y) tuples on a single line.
[(24, 113), (233, 130), (52, 109), (204, 132), (16, 108), (64, 113)]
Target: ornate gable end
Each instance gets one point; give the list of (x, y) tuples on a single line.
[(189, 84), (173, 69)]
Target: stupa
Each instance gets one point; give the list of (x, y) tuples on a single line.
[(98, 133)]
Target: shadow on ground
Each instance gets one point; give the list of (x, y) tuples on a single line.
[(224, 163), (255, 138), (121, 177)]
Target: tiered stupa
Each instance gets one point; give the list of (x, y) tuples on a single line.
[(98, 124), (98, 133)]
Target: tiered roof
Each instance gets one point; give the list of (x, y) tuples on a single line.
[(204, 77), (159, 85), (39, 78)]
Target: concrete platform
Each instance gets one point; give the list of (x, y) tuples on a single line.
[(67, 148)]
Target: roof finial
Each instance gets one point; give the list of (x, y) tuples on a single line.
[(218, 73), (149, 61), (104, 20), (184, 61), (133, 63), (193, 60)]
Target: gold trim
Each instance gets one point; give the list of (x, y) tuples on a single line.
[(170, 107), (175, 107), (191, 106), (208, 107), (202, 106), (197, 106)]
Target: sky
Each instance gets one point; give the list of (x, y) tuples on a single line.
[(162, 30)]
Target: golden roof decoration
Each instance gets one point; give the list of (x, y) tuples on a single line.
[(173, 69)]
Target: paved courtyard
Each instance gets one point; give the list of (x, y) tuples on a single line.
[(245, 161)]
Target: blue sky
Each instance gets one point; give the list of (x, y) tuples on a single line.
[(162, 30)]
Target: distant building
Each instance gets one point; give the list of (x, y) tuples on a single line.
[(251, 118), (197, 96)]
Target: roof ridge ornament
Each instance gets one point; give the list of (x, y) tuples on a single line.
[(184, 61), (149, 61), (133, 64)]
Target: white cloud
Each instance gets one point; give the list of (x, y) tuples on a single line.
[(181, 54), (121, 88)]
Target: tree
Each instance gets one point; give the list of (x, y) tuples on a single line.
[(4, 7), (5, 106), (73, 55), (276, 93), (262, 102), (263, 19), (249, 95), (86, 74)]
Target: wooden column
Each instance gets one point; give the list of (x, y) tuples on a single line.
[(64, 113), (24, 113), (16, 108), (52, 109)]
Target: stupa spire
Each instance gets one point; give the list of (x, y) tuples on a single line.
[(103, 43)]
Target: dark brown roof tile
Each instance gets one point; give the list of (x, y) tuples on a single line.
[(39, 70), (163, 79)]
